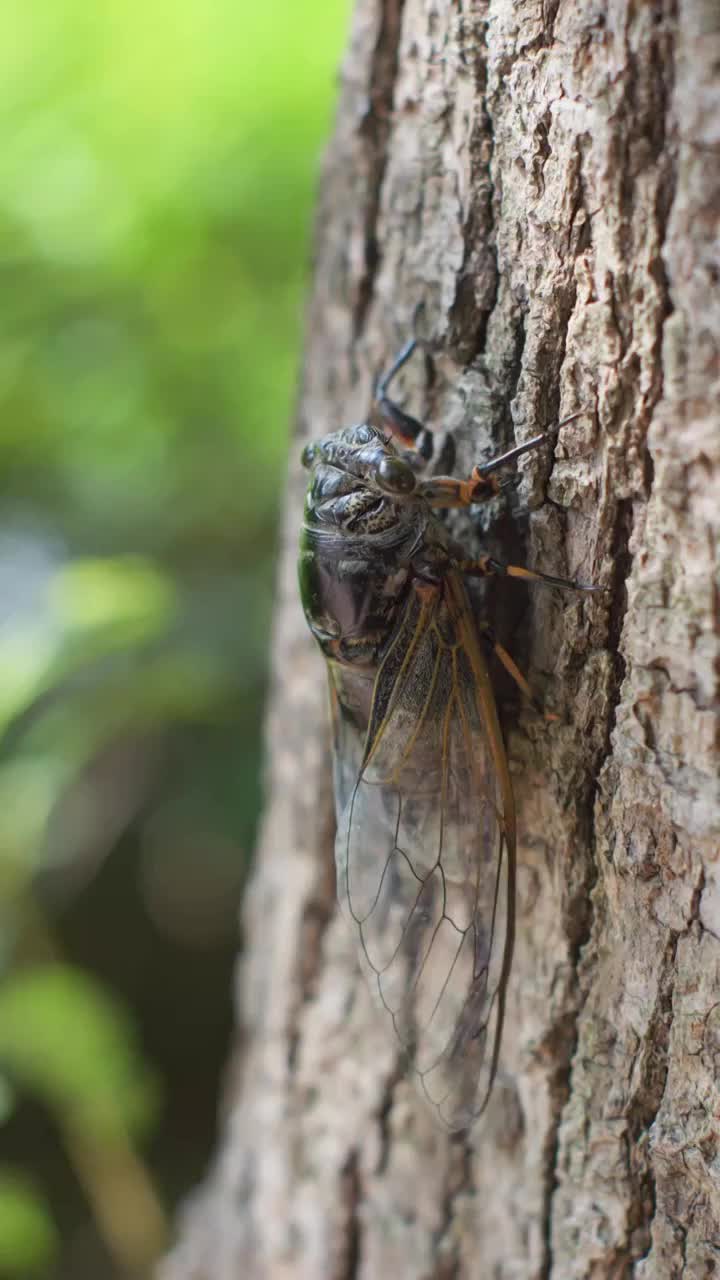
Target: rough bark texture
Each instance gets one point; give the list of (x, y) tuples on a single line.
[(545, 178)]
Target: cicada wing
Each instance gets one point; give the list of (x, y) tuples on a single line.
[(425, 853), (348, 743)]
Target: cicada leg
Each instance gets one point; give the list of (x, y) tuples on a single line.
[(417, 442), (416, 439), (485, 566), (514, 672), (483, 481)]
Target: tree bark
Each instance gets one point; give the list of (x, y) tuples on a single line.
[(544, 177)]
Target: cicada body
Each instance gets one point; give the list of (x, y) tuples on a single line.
[(425, 847)]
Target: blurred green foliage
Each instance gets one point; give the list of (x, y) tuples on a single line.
[(156, 183), (28, 1239), (62, 1035)]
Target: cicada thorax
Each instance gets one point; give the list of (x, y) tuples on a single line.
[(356, 546)]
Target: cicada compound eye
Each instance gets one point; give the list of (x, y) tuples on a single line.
[(395, 476), (307, 457)]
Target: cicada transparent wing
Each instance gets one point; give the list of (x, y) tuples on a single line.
[(425, 851)]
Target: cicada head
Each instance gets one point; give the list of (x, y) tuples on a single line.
[(360, 485), (364, 519)]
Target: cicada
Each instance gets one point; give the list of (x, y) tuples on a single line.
[(426, 830)]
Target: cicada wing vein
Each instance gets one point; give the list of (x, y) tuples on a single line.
[(425, 852)]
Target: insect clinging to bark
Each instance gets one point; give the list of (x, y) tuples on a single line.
[(425, 847)]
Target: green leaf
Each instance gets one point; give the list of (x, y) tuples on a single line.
[(8, 1099), (28, 1239), (65, 1038), (29, 787), (125, 596)]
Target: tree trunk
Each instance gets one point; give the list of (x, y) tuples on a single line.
[(544, 177)]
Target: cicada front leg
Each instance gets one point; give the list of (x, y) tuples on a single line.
[(414, 438), (484, 481)]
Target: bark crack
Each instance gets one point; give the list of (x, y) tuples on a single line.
[(317, 913), (568, 1033), (459, 1183), (642, 1113), (351, 1192), (644, 1110), (375, 128), (476, 290)]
